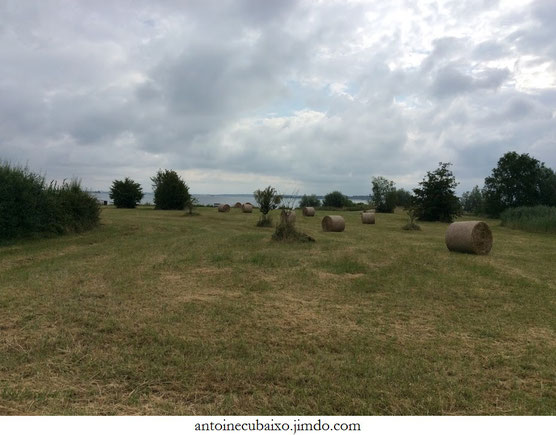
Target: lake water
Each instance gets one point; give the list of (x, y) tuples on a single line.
[(203, 199), (230, 199)]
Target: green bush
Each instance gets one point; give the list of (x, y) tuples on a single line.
[(286, 232), (268, 199), (540, 219), (126, 193), (336, 199), (309, 201), (170, 191), (29, 207)]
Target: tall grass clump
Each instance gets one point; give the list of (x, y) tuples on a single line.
[(28, 206), (538, 219)]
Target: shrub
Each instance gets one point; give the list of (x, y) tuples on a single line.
[(29, 207), (336, 199), (286, 232), (170, 191), (268, 199), (541, 219), (435, 200), (126, 193), (309, 201), (191, 204), (411, 225), (384, 195), (76, 210)]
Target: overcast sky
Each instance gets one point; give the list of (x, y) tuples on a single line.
[(308, 96)]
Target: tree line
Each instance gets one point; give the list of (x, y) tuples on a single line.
[(517, 180)]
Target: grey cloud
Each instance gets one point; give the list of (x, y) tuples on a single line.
[(295, 90), (449, 81), (489, 50)]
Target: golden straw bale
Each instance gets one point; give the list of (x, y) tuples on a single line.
[(473, 237), (333, 223), (368, 218)]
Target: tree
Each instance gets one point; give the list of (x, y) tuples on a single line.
[(383, 195), (268, 199), (191, 203), (170, 191), (472, 202), (518, 180), (336, 199), (435, 200), (548, 188), (309, 201), (403, 198), (126, 193)]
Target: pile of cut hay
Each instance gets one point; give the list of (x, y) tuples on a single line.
[(223, 208)]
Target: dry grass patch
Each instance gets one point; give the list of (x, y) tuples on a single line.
[(155, 313)]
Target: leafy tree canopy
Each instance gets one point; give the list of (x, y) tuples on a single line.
[(519, 180), (268, 199), (435, 199), (309, 201), (126, 193), (170, 191), (383, 195), (473, 202), (336, 199)]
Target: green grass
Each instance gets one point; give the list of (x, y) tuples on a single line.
[(539, 219), (155, 312)]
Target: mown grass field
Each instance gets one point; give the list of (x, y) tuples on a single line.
[(158, 313)]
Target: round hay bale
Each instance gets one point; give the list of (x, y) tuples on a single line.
[(368, 218), (288, 216), (223, 208), (308, 211), (237, 205), (333, 223), (473, 237), (247, 208)]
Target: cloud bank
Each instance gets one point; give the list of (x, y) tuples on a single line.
[(306, 96)]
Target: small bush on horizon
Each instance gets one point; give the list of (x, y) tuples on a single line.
[(336, 199), (170, 191), (268, 199), (126, 193), (309, 201)]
